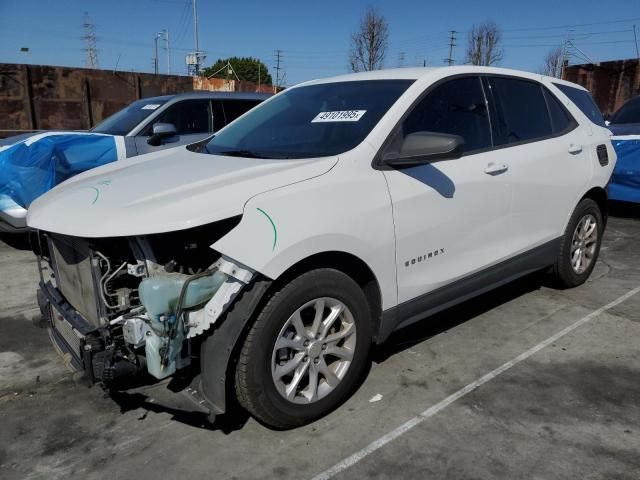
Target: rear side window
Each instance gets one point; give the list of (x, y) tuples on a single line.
[(456, 107), (235, 108), (584, 101), (218, 115), (561, 119), (521, 111)]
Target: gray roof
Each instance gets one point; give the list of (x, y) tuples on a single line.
[(212, 95)]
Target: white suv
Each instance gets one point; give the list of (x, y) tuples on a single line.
[(274, 254)]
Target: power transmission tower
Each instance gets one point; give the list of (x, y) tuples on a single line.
[(452, 43), (90, 39), (278, 67)]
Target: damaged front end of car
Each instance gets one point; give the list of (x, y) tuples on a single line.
[(122, 307)]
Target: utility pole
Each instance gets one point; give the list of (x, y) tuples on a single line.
[(155, 54), (164, 34), (452, 43), (564, 57), (278, 67), (195, 30), (90, 39), (401, 57), (635, 37)]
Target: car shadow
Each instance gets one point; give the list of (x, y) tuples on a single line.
[(624, 210), (19, 241), (235, 418), (432, 177), (422, 330)]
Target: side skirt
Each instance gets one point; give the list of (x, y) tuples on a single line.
[(461, 290)]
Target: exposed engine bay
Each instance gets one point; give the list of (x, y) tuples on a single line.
[(126, 305)]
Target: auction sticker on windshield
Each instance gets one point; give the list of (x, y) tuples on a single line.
[(339, 116), (151, 106)]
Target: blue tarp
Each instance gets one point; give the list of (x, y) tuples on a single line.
[(32, 166), (625, 182)]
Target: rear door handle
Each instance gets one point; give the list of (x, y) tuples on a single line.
[(496, 168), (575, 148)]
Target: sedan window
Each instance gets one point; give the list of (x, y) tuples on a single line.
[(188, 116)]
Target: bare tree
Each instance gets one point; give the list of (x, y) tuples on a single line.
[(369, 44), (553, 63), (484, 44)]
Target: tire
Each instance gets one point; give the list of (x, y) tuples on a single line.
[(271, 396), (564, 273)]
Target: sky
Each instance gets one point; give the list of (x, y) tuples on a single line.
[(314, 36)]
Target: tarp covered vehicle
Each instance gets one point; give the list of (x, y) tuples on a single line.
[(625, 126), (625, 182)]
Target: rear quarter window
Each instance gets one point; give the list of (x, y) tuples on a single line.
[(584, 101)]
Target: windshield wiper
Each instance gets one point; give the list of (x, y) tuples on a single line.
[(240, 153)]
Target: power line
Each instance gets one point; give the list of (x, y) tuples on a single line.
[(90, 39), (565, 27), (452, 43)]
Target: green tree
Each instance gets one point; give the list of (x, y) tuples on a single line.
[(248, 69)]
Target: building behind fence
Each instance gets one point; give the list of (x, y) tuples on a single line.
[(611, 83)]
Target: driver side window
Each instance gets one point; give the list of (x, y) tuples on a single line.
[(456, 107), (188, 116)]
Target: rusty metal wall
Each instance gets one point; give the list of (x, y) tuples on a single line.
[(611, 83), (40, 97)]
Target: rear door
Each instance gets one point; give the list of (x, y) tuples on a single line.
[(547, 156), (192, 118)]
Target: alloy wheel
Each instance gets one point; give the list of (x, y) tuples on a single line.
[(313, 350), (584, 244)]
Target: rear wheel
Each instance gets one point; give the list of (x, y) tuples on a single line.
[(306, 351), (580, 246)]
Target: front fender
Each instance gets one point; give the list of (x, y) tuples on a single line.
[(337, 212)]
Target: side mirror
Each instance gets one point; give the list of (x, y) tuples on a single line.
[(420, 148), (160, 131)]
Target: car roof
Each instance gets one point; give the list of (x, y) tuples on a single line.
[(210, 95), (418, 73)]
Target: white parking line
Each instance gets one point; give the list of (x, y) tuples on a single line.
[(418, 419)]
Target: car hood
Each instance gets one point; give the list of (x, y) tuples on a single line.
[(163, 191)]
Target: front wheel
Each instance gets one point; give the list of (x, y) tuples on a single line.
[(306, 351), (580, 246)]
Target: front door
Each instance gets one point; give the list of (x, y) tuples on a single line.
[(192, 118), (451, 217)]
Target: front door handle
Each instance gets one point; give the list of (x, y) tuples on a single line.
[(574, 149), (496, 168)]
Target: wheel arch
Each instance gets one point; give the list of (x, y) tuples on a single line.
[(350, 265), (600, 196)]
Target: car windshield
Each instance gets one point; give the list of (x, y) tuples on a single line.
[(311, 121), (628, 113), (122, 122)]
